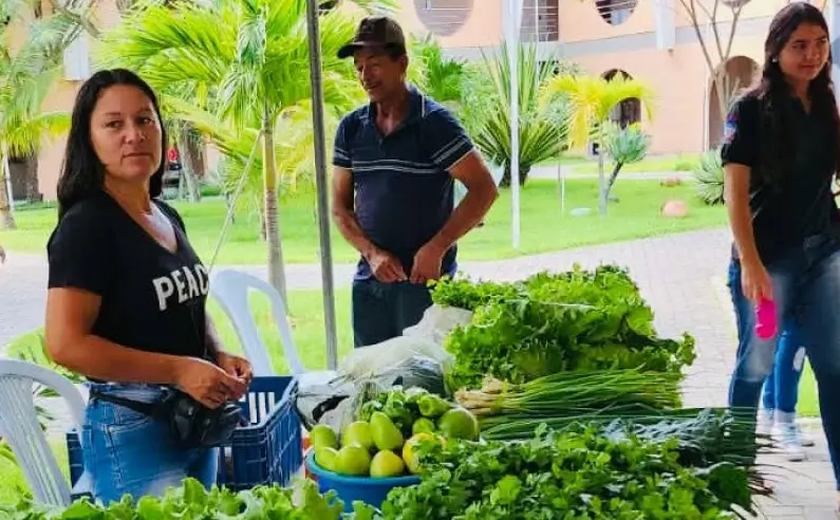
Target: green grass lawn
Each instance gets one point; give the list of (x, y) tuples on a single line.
[(808, 404), (679, 163), (544, 227)]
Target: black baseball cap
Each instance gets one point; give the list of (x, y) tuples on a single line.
[(375, 31)]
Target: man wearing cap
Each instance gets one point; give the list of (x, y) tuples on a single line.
[(395, 160)]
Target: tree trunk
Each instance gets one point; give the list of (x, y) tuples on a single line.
[(33, 193), (613, 177), (187, 165), (506, 176), (276, 274), (602, 185), (7, 219), (195, 151)]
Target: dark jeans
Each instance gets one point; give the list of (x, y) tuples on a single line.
[(382, 310), (781, 389), (806, 289)]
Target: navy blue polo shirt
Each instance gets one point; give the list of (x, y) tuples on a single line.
[(403, 191)]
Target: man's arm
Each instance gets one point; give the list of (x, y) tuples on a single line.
[(384, 266), (481, 193), (454, 152), (344, 214)]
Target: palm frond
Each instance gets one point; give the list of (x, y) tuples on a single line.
[(539, 135), (592, 99)]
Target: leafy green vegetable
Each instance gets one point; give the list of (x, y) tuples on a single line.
[(192, 502), (549, 323), (578, 474)]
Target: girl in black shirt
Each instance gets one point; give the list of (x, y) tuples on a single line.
[(780, 153), (126, 300)]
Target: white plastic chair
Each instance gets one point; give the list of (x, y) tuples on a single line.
[(231, 289), (19, 426)]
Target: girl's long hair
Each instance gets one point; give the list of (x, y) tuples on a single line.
[(83, 174), (776, 141)]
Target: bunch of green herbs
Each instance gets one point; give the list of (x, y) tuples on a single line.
[(578, 474)]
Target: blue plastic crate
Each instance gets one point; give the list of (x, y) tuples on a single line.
[(269, 450)]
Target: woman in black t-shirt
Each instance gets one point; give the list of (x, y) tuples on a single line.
[(126, 300), (780, 154)]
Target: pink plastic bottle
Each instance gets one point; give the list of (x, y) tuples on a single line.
[(765, 319)]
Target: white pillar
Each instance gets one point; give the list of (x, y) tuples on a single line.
[(514, 26)]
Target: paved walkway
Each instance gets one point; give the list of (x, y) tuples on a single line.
[(680, 275)]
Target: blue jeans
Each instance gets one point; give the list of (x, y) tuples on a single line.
[(382, 310), (126, 452), (806, 289), (781, 388)]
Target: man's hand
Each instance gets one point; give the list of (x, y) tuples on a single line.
[(385, 267), (237, 367), (427, 263)]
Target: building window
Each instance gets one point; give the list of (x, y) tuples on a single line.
[(615, 12), (443, 17), (540, 21), (627, 111)]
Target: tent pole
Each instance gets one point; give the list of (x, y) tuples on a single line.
[(321, 181)]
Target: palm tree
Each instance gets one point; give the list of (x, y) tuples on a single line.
[(23, 89), (591, 100), (539, 135), (242, 64), (441, 77), (26, 78)]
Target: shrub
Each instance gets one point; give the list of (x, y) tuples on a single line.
[(709, 176)]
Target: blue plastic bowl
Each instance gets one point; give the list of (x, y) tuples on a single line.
[(372, 491)]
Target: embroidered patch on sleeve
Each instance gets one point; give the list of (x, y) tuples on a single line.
[(730, 128)]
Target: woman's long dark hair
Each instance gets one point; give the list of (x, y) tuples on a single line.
[(776, 143), (83, 174)]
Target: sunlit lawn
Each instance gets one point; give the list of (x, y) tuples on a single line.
[(679, 163), (544, 227), (808, 405)]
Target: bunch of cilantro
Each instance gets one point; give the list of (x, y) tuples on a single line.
[(548, 323), (574, 475), (192, 502)]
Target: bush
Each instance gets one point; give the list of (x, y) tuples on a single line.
[(709, 176), (685, 164), (625, 146)]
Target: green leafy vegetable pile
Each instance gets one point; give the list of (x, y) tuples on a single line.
[(628, 473), (549, 323), (192, 502)]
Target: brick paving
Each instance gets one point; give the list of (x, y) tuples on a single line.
[(681, 275)]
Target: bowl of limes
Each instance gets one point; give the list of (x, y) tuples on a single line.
[(371, 459)]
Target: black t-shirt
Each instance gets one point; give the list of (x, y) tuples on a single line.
[(801, 203), (152, 300)]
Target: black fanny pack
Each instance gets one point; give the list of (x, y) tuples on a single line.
[(191, 424)]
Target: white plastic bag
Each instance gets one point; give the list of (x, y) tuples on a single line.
[(438, 322)]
